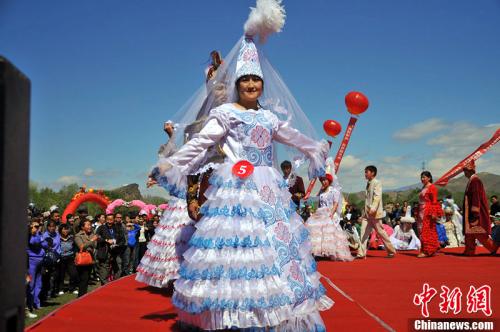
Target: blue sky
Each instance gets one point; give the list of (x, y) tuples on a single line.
[(106, 74)]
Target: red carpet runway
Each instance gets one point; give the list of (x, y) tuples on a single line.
[(375, 294)]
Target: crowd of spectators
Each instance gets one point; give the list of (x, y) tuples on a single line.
[(115, 242)]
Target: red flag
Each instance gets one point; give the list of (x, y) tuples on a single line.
[(443, 181), (345, 141)]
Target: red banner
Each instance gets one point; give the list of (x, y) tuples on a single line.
[(345, 141), (443, 181)]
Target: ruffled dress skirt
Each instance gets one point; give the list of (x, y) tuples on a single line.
[(328, 239), (161, 262), (249, 263)]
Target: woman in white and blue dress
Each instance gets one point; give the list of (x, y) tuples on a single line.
[(328, 239), (161, 262), (249, 263)]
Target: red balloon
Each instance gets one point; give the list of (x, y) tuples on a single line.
[(356, 102), (332, 128)]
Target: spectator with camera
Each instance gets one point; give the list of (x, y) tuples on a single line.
[(35, 257)]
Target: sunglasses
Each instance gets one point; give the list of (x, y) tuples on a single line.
[(36, 226)]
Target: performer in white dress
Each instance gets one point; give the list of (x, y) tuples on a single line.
[(404, 237), (328, 239), (249, 262), (161, 262), (451, 230), (456, 219)]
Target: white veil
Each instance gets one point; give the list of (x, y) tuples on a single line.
[(266, 18)]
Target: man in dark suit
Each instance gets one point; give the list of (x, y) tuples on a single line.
[(111, 239)]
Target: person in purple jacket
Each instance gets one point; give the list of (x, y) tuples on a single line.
[(50, 272), (35, 252)]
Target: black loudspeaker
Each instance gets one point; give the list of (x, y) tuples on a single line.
[(14, 176)]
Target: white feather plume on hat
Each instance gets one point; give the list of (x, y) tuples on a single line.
[(267, 17)]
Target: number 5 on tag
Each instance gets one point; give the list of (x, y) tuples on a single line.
[(243, 169)]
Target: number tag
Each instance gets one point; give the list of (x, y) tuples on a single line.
[(243, 169)]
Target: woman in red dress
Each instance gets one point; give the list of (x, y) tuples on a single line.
[(428, 213)]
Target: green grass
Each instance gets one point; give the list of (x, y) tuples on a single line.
[(53, 304)]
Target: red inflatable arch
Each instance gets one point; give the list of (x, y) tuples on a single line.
[(83, 196)]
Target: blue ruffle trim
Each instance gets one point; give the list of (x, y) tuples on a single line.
[(218, 273), (172, 189), (248, 184), (267, 214), (218, 181), (305, 290), (247, 304), (233, 242)]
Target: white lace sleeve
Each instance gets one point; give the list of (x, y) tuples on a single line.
[(316, 152), (171, 172)]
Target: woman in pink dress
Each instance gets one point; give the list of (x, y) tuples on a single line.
[(328, 239)]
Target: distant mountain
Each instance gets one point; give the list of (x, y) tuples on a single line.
[(128, 192), (491, 183), (410, 187), (131, 192)]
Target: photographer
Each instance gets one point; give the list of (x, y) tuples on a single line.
[(35, 257)]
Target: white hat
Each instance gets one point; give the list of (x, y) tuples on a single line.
[(266, 18), (248, 60), (410, 220)]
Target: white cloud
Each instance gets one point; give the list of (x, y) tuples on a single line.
[(349, 161), (392, 160), (462, 134), (420, 129), (67, 179), (102, 179), (459, 142)]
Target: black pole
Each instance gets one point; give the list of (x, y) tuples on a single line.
[(14, 176)]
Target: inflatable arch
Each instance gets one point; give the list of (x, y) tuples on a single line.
[(82, 197)]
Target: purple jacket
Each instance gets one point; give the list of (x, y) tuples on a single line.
[(35, 246), (56, 241)]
